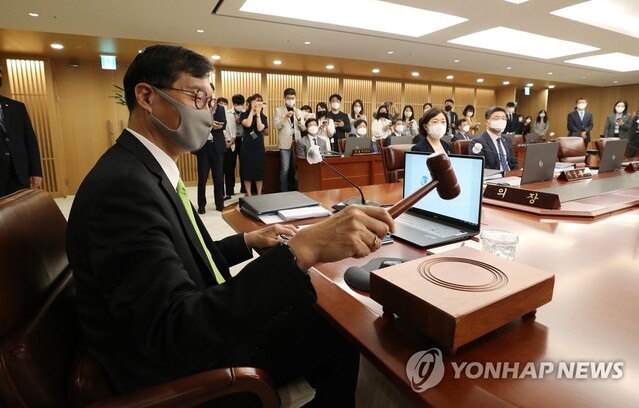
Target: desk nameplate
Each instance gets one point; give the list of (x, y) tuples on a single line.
[(525, 197), (575, 175), (632, 167)]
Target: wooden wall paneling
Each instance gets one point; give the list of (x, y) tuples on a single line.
[(416, 95), (505, 95), (388, 91), (320, 88), (238, 82), (359, 89), (274, 98), (463, 96), (530, 105), (439, 94)]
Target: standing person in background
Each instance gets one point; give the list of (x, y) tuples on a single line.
[(619, 122), (20, 165), (393, 112), (410, 124), (340, 119), (238, 107), (580, 122), (357, 113), (469, 114), (210, 158), (255, 126), (306, 113), (426, 107), (512, 121), (326, 129), (229, 156), (526, 126), (287, 122), (381, 127), (451, 115), (541, 124)]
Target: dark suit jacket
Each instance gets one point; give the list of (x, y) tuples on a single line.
[(22, 143), (461, 136), (219, 141), (425, 146), (148, 304), (512, 123), (576, 125), (454, 120), (490, 154)]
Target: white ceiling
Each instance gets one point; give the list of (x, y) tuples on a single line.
[(177, 22)]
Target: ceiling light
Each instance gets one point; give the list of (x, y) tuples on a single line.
[(551, 87), (450, 77), (216, 57), (506, 83), (615, 82), (617, 16), (615, 61), (550, 73), (480, 80), (509, 67), (56, 46), (375, 70), (516, 1), (307, 42), (330, 66), (372, 15), (34, 14), (530, 84), (277, 62), (456, 60), (391, 52), (415, 74), (538, 46), (583, 77), (200, 31)]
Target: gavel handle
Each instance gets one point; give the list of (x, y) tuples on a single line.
[(404, 204)]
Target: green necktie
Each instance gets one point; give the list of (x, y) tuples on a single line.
[(184, 197)]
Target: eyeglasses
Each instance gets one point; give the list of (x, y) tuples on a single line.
[(200, 98)]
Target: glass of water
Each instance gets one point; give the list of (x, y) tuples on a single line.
[(500, 243)]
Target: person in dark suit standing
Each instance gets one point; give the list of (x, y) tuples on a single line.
[(580, 122), (20, 165), (155, 298), (512, 120), (210, 158), (452, 116), (497, 151)]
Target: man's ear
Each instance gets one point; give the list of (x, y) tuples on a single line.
[(144, 96)]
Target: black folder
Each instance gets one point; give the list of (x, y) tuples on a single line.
[(274, 202)]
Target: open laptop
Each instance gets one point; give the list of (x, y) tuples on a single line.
[(613, 155), (353, 144), (395, 140), (540, 162), (434, 221)]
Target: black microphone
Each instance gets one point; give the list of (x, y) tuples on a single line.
[(313, 156)]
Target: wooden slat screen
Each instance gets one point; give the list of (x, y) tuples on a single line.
[(463, 96), (27, 84), (320, 88), (276, 84), (388, 91), (439, 93), (416, 95), (358, 89), (485, 99)]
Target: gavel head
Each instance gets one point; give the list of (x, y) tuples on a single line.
[(442, 171)]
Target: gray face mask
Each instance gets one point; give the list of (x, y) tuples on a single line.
[(194, 128)]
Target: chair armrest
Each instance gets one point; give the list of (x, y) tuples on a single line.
[(199, 388)]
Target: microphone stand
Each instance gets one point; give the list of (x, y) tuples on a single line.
[(363, 201)]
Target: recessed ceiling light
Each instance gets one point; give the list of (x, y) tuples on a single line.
[(480, 80), (375, 70), (415, 74), (509, 67), (615, 82), (216, 57), (34, 14), (583, 77), (538, 46), (330, 66), (277, 62), (615, 61), (516, 1), (200, 31), (530, 84), (550, 73), (618, 16), (56, 46), (506, 83), (371, 15), (307, 42), (391, 52), (551, 87), (450, 77), (456, 60)]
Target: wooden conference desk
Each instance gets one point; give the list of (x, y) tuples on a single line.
[(592, 317), (362, 170)]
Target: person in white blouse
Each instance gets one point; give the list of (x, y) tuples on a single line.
[(326, 128), (410, 124), (381, 126), (357, 113)]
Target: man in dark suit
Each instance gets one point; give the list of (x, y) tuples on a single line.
[(462, 131), (155, 297), (453, 120), (580, 122), (210, 158), (20, 165), (512, 120), (497, 151)]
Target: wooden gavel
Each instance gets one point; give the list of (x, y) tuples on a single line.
[(444, 180)]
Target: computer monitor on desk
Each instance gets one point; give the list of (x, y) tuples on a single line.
[(613, 155), (540, 162)]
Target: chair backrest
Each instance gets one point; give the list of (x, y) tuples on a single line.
[(393, 160), (461, 146), (571, 149), (601, 143), (38, 326), (341, 143), (518, 140)]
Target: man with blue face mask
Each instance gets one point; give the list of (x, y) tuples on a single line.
[(156, 300), (497, 151)]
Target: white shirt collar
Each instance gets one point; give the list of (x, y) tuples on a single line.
[(169, 167)]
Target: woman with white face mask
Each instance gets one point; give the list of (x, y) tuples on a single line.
[(541, 124), (357, 113), (433, 126), (381, 127), (411, 127), (469, 114), (619, 122)]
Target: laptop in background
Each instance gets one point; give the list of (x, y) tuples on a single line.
[(613, 155), (510, 136), (434, 221), (540, 162), (395, 140), (356, 143)]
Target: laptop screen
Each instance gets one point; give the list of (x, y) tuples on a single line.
[(466, 207)]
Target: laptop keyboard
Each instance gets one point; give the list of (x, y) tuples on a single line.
[(427, 226)]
